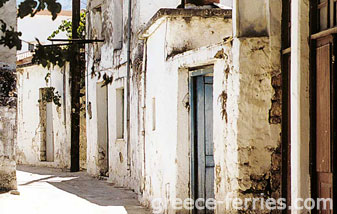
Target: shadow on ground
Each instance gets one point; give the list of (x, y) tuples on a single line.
[(84, 186)]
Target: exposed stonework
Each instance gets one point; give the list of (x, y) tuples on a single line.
[(276, 109), (7, 87), (7, 149), (252, 143), (8, 103)]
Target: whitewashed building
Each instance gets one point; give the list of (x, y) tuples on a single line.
[(43, 116), (31, 28), (210, 102), (44, 100)]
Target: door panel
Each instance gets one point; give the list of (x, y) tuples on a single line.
[(324, 140), (200, 121), (203, 126), (323, 110), (49, 133)]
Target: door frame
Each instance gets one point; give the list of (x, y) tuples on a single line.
[(193, 73)]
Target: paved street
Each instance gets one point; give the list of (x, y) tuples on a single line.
[(45, 190)]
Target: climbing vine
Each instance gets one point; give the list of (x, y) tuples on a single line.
[(59, 55)]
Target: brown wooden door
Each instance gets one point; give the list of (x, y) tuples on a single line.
[(324, 120)]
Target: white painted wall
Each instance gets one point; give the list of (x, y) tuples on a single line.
[(30, 80), (113, 62), (167, 150), (300, 102), (40, 27)]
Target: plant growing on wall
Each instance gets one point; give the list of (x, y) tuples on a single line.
[(49, 95), (60, 55)]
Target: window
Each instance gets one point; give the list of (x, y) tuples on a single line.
[(31, 47), (118, 24), (120, 113), (326, 14)]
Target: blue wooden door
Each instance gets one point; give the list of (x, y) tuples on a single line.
[(203, 139)]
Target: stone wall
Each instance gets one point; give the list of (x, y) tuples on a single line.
[(7, 128), (7, 105)]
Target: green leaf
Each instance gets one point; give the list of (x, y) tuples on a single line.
[(10, 37), (32, 7)]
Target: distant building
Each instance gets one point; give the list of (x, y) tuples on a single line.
[(40, 27), (43, 122)]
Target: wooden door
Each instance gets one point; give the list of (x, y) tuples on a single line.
[(49, 133), (203, 139), (324, 120)]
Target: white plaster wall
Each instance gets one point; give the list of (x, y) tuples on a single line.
[(228, 3), (30, 80), (300, 102), (167, 169), (160, 143), (188, 33), (39, 27), (250, 17), (148, 8), (153, 168), (113, 62), (247, 144)]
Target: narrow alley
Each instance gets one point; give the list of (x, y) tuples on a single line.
[(47, 190), (168, 107)]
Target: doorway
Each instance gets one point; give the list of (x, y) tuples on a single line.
[(202, 137), (323, 25), (325, 121), (46, 124), (102, 128)]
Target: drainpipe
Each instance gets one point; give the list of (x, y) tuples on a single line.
[(144, 113), (128, 67)]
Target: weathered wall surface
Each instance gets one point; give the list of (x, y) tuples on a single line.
[(125, 162), (7, 105), (30, 124), (188, 33), (254, 164), (300, 102), (246, 99), (167, 150), (251, 18), (7, 149)]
